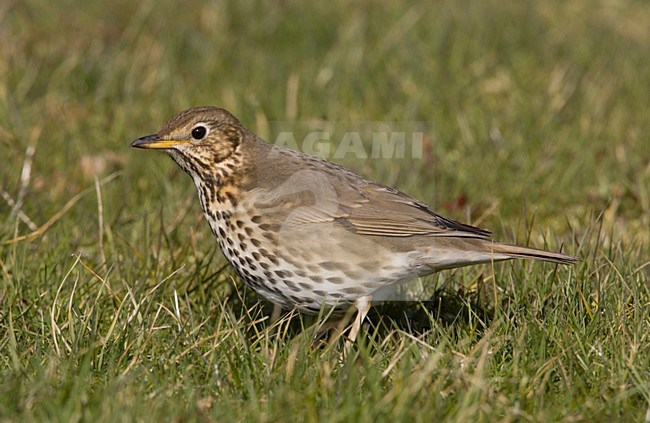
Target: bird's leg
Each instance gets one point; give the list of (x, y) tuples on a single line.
[(275, 315), (362, 305)]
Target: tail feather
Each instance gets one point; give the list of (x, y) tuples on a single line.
[(515, 251)]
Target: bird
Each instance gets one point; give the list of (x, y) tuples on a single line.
[(306, 233)]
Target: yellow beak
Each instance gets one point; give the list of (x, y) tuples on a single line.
[(153, 142)]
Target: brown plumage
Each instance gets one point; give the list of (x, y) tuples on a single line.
[(307, 233)]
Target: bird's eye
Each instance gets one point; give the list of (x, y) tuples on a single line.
[(199, 132)]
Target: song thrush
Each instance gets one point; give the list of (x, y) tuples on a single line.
[(305, 232)]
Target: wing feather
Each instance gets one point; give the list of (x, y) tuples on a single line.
[(321, 191)]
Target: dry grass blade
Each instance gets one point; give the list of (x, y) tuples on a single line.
[(41, 230)]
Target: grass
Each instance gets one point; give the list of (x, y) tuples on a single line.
[(115, 303)]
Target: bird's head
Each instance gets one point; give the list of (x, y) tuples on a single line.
[(198, 139)]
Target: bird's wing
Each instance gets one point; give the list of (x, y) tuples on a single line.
[(389, 212), (328, 192)]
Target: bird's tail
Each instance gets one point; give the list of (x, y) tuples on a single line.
[(515, 251)]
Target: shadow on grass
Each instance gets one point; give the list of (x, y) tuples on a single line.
[(447, 307), (444, 308)]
